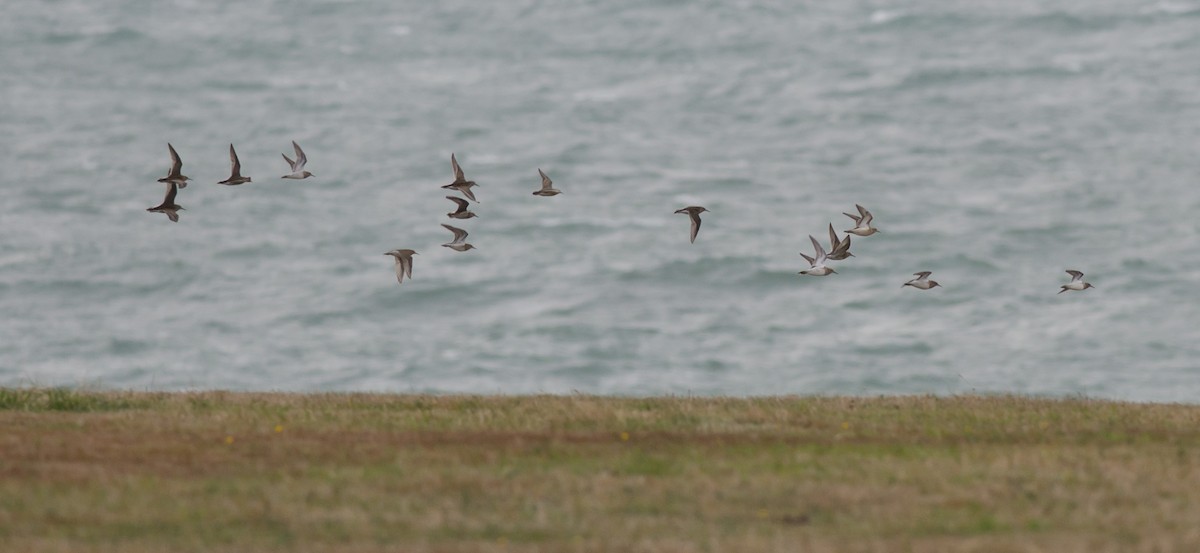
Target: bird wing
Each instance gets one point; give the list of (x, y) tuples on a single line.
[(290, 162), (546, 182), (406, 264), (233, 159), (857, 219), (176, 163), (844, 247), (400, 270), (811, 261), (922, 275), (459, 234), (864, 216), (695, 217), (834, 243), (301, 159), (1075, 275), (172, 190), (462, 204), (458, 172), (820, 251)]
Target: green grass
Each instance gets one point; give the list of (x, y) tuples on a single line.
[(66, 399), (217, 471)]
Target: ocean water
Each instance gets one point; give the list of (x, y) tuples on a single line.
[(998, 143)]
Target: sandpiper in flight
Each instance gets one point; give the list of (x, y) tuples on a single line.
[(174, 176), (403, 263), (862, 222), (461, 212), (922, 281), (818, 262), (235, 177), (693, 212), (168, 204), (547, 186), (460, 236), (460, 183), (298, 171), (838, 249), (1077, 283)]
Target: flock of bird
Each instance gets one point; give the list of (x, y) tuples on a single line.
[(839, 249)]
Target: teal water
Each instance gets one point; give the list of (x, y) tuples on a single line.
[(998, 143)]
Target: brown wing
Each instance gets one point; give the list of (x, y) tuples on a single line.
[(176, 163), (458, 172), (233, 159)]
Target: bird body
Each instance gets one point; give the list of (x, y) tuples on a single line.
[(460, 183), (461, 212), (168, 205), (1077, 284), (862, 222), (174, 176), (235, 177), (459, 243), (693, 212), (403, 263), (838, 249), (297, 165), (547, 188), (817, 262), (922, 281)]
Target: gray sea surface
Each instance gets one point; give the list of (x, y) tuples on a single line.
[(997, 142)]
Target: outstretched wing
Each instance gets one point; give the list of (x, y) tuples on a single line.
[(176, 163), (1075, 275), (546, 182), (695, 217), (458, 172), (290, 162), (923, 274), (172, 191), (301, 159), (233, 160), (833, 239), (459, 234), (462, 204), (820, 251)]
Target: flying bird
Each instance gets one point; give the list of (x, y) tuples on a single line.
[(168, 204), (460, 236), (862, 222), (547, 188), (461, 212), (1076, 284), (693, 213), (235, 177), (298, 171), (460, 183), (403, 263), (173, 175), (818, 262), (838, 250), (922, 281)]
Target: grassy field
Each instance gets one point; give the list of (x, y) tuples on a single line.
[(214, 471)]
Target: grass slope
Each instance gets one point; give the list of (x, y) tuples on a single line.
[(215, 471)]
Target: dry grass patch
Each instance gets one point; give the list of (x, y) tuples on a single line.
[(333, 472)]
